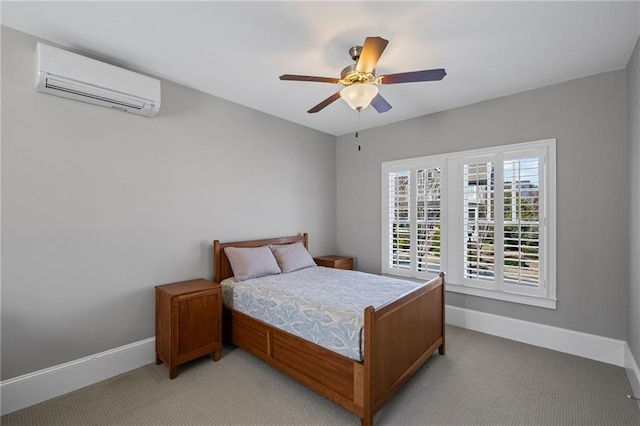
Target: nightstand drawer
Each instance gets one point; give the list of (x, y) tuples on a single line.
[(336, 262)]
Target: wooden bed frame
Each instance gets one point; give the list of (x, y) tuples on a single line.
[(399, 338)]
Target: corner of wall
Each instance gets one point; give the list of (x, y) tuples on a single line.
[(633, 373), (633, 124)]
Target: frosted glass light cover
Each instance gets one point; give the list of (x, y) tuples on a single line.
[(359, 95)]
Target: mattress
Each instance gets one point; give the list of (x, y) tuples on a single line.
[(322, 305)]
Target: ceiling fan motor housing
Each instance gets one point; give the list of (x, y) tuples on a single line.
[(350, 75)]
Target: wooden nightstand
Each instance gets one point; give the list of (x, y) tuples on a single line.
[(188, 322), (336, 262)]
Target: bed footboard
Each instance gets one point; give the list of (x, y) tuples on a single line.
[(336, 377), (399, 338)]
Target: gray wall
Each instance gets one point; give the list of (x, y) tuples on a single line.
[(633, 73), (99, 206), (588, 117)]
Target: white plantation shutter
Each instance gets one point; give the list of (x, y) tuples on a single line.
[(528, 232), (399, 232), (412, 217), (522, 203), (485, 217), (428, 226), (479, 219)]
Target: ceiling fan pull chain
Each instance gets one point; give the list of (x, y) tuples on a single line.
[(358, 128)]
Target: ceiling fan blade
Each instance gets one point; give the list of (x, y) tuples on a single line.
[(410, 77), (325, 103), (371, 51), (308, 78), (380, 104)]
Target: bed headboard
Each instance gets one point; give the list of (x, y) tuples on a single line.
[(221, 265)]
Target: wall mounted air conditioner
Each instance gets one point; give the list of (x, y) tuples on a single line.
[(72, 76)]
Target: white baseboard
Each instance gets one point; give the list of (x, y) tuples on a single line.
[(23, 391), (633, 372), (604, 349), (29, 389)]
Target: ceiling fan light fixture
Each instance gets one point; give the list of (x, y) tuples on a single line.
[(360, 81), (359, 95)]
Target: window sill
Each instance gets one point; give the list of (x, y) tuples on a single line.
[(548, 303)]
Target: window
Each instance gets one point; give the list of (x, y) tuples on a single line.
[(485, 217)]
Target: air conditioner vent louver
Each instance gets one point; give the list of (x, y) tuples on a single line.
[(73, 88), (76, 77)]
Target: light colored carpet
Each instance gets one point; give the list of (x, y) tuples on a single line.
[(483, 380)]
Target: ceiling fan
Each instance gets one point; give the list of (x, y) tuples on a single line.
[(360, 81)]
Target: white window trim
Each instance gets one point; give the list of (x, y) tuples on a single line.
[(451, 226)]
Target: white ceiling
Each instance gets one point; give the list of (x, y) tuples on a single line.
[(237, 50)]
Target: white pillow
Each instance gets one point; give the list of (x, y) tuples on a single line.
[(291, 257), (251, 262)]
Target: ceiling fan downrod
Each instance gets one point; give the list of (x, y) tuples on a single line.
[(355, 52)]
